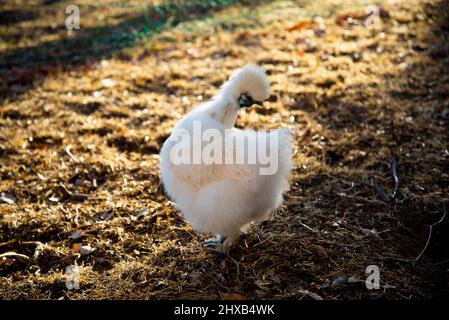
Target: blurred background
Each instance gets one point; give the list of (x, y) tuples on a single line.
[(83, 113)]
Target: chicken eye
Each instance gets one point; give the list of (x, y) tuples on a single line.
[(245, 100)]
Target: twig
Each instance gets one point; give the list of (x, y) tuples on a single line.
[(379, 192), (427, 242), (37, 251), (309, 294), (349, 188), (307, 227), (73, 196), (221, 285), (11, 254), (430, 233), (236, 264), (262, 241), (70, 154), (394, 164)]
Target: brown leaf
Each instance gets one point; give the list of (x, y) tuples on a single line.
[(76, 247), (234, 296), (319, 251), (245, 35), (305, 24)]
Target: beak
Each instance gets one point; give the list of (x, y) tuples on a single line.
[(259, 103)]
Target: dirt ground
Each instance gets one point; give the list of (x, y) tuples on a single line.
[(83, 115)]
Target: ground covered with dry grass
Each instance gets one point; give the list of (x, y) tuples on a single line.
[(83, 115)]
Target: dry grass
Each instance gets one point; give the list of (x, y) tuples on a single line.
[(356, 99)]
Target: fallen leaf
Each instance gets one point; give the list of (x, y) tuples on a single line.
[(85, 250), (305, 24), (76, 247), (245, 35), (320, 251), (369, 232), (106, 215), (75, 235), (7, 198), (140, 213), (307, 293), (344, 280), (339, 280), (234, 296)]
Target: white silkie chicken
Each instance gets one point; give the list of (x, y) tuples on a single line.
[(222, 197)]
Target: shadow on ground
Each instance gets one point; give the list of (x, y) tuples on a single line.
[(21, 67)]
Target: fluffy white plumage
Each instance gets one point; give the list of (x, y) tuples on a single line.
[(223, 198)]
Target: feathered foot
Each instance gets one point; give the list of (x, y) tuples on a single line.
[(216, 244)]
